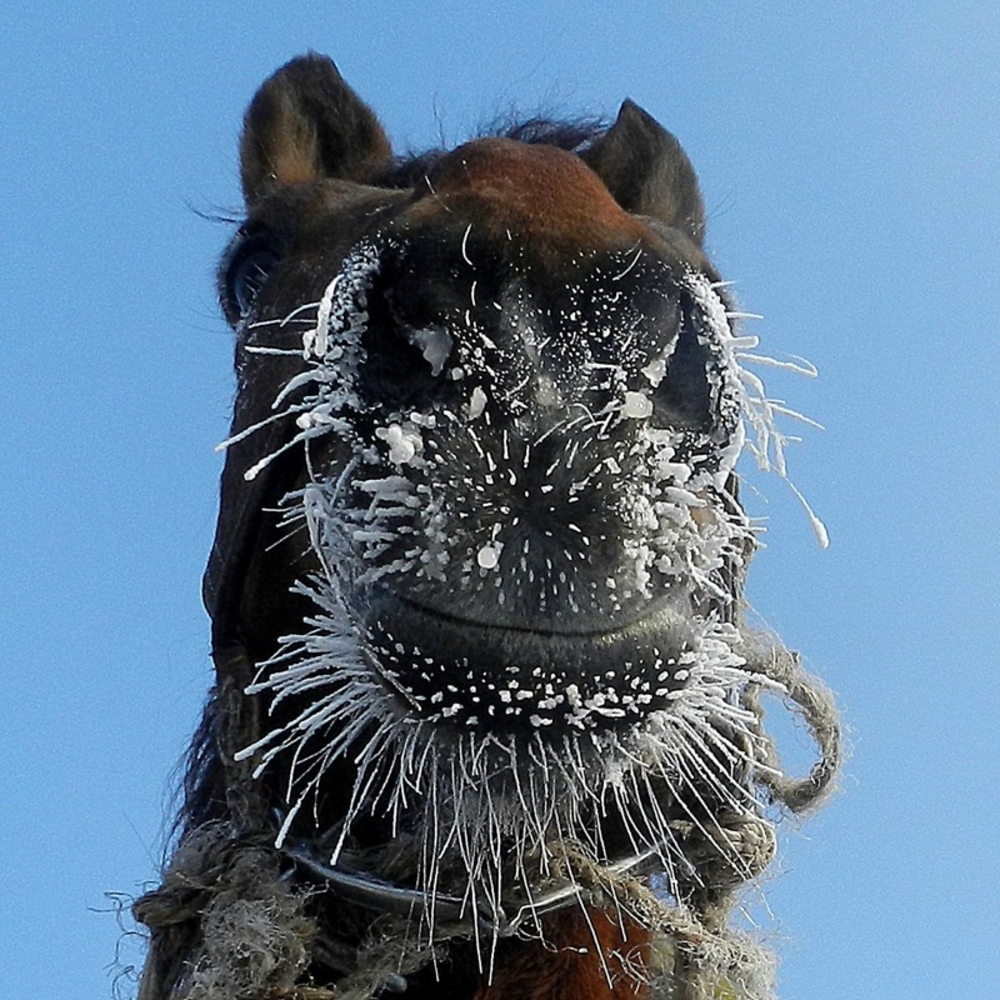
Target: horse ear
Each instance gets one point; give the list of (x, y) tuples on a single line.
[(305, 124), (648, 173)]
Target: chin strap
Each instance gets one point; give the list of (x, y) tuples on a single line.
[(691, 942), (457, 916)]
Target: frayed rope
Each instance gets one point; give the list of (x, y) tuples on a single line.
[(815, 704)]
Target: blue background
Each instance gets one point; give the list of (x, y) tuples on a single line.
[(849, 155)]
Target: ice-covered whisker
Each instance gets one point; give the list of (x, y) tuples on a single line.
[(760, 413), (798, 366), (315, 339)]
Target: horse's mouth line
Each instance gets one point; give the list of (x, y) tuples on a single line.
[(494, 678), (628, 628)]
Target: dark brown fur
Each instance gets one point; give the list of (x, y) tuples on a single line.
[(318, 174), (590, 954)]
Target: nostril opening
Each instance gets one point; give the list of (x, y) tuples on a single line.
[(684, 395)]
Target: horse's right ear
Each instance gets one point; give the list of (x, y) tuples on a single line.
[(306, 124), (647, 171)]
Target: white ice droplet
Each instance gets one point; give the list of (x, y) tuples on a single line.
[(637, 405), (655, 371), (403, 442), (435, 345), (489, 555), (477, 403)]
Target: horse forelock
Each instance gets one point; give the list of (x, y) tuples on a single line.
[(545, 195)]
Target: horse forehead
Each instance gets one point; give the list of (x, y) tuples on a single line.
[(541, 192)]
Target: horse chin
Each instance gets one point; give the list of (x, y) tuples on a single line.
[(523, 683), (481, 748)]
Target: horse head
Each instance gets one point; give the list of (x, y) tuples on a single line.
[(476, 582)]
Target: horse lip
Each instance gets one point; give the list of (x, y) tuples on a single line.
[(507, 678), (447, 618)]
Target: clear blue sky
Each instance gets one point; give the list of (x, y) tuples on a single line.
[(849, 154)]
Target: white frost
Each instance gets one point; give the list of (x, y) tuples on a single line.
[(435, 345), (637, 405)]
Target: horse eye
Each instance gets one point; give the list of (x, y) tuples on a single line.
[(249, 267)]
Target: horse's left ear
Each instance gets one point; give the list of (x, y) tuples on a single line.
[(306, 124), (648, 173)]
